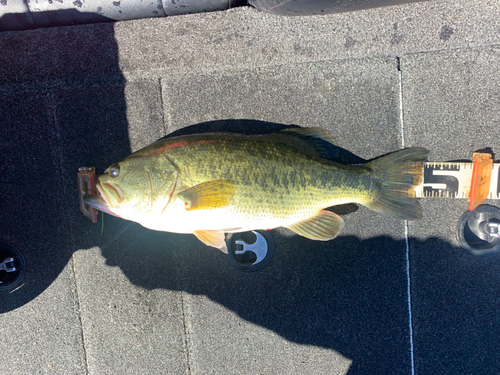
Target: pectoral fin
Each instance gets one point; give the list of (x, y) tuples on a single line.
[(208, 195), (323, 226), (214, 238)]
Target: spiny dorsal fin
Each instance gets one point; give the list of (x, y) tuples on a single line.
[(323, 226), (208, 195), (319, 140)]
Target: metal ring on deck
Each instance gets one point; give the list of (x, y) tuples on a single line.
[(250, 251)]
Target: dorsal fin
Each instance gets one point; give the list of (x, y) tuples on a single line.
[(317, 141)]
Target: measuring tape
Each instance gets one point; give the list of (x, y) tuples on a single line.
[(476, 181), (453, 180)]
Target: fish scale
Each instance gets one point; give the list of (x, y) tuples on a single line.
[(291, 186), (208, 184), (272, 179)]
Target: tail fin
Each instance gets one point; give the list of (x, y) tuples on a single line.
[(396, 175)]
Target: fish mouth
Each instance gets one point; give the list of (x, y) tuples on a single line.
[(111, 193), (98, 202)]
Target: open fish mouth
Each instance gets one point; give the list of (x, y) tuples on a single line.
[(98, 202)]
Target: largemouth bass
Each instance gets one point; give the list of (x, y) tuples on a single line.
[(216, 183)]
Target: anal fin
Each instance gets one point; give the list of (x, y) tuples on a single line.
[(214, 238), (323, 226)]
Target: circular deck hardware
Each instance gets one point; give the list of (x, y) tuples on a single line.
[(479, 230), (12, 267), (250, 251)]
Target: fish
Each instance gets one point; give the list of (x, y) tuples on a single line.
[(211, 184)]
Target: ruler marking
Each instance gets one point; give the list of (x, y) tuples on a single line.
[(453, 180)]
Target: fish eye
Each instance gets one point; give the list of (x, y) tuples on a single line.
[(114, 170)]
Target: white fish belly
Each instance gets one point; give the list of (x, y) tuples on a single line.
[(179, 220)]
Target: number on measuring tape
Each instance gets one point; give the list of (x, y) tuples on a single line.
[(453, 180)]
